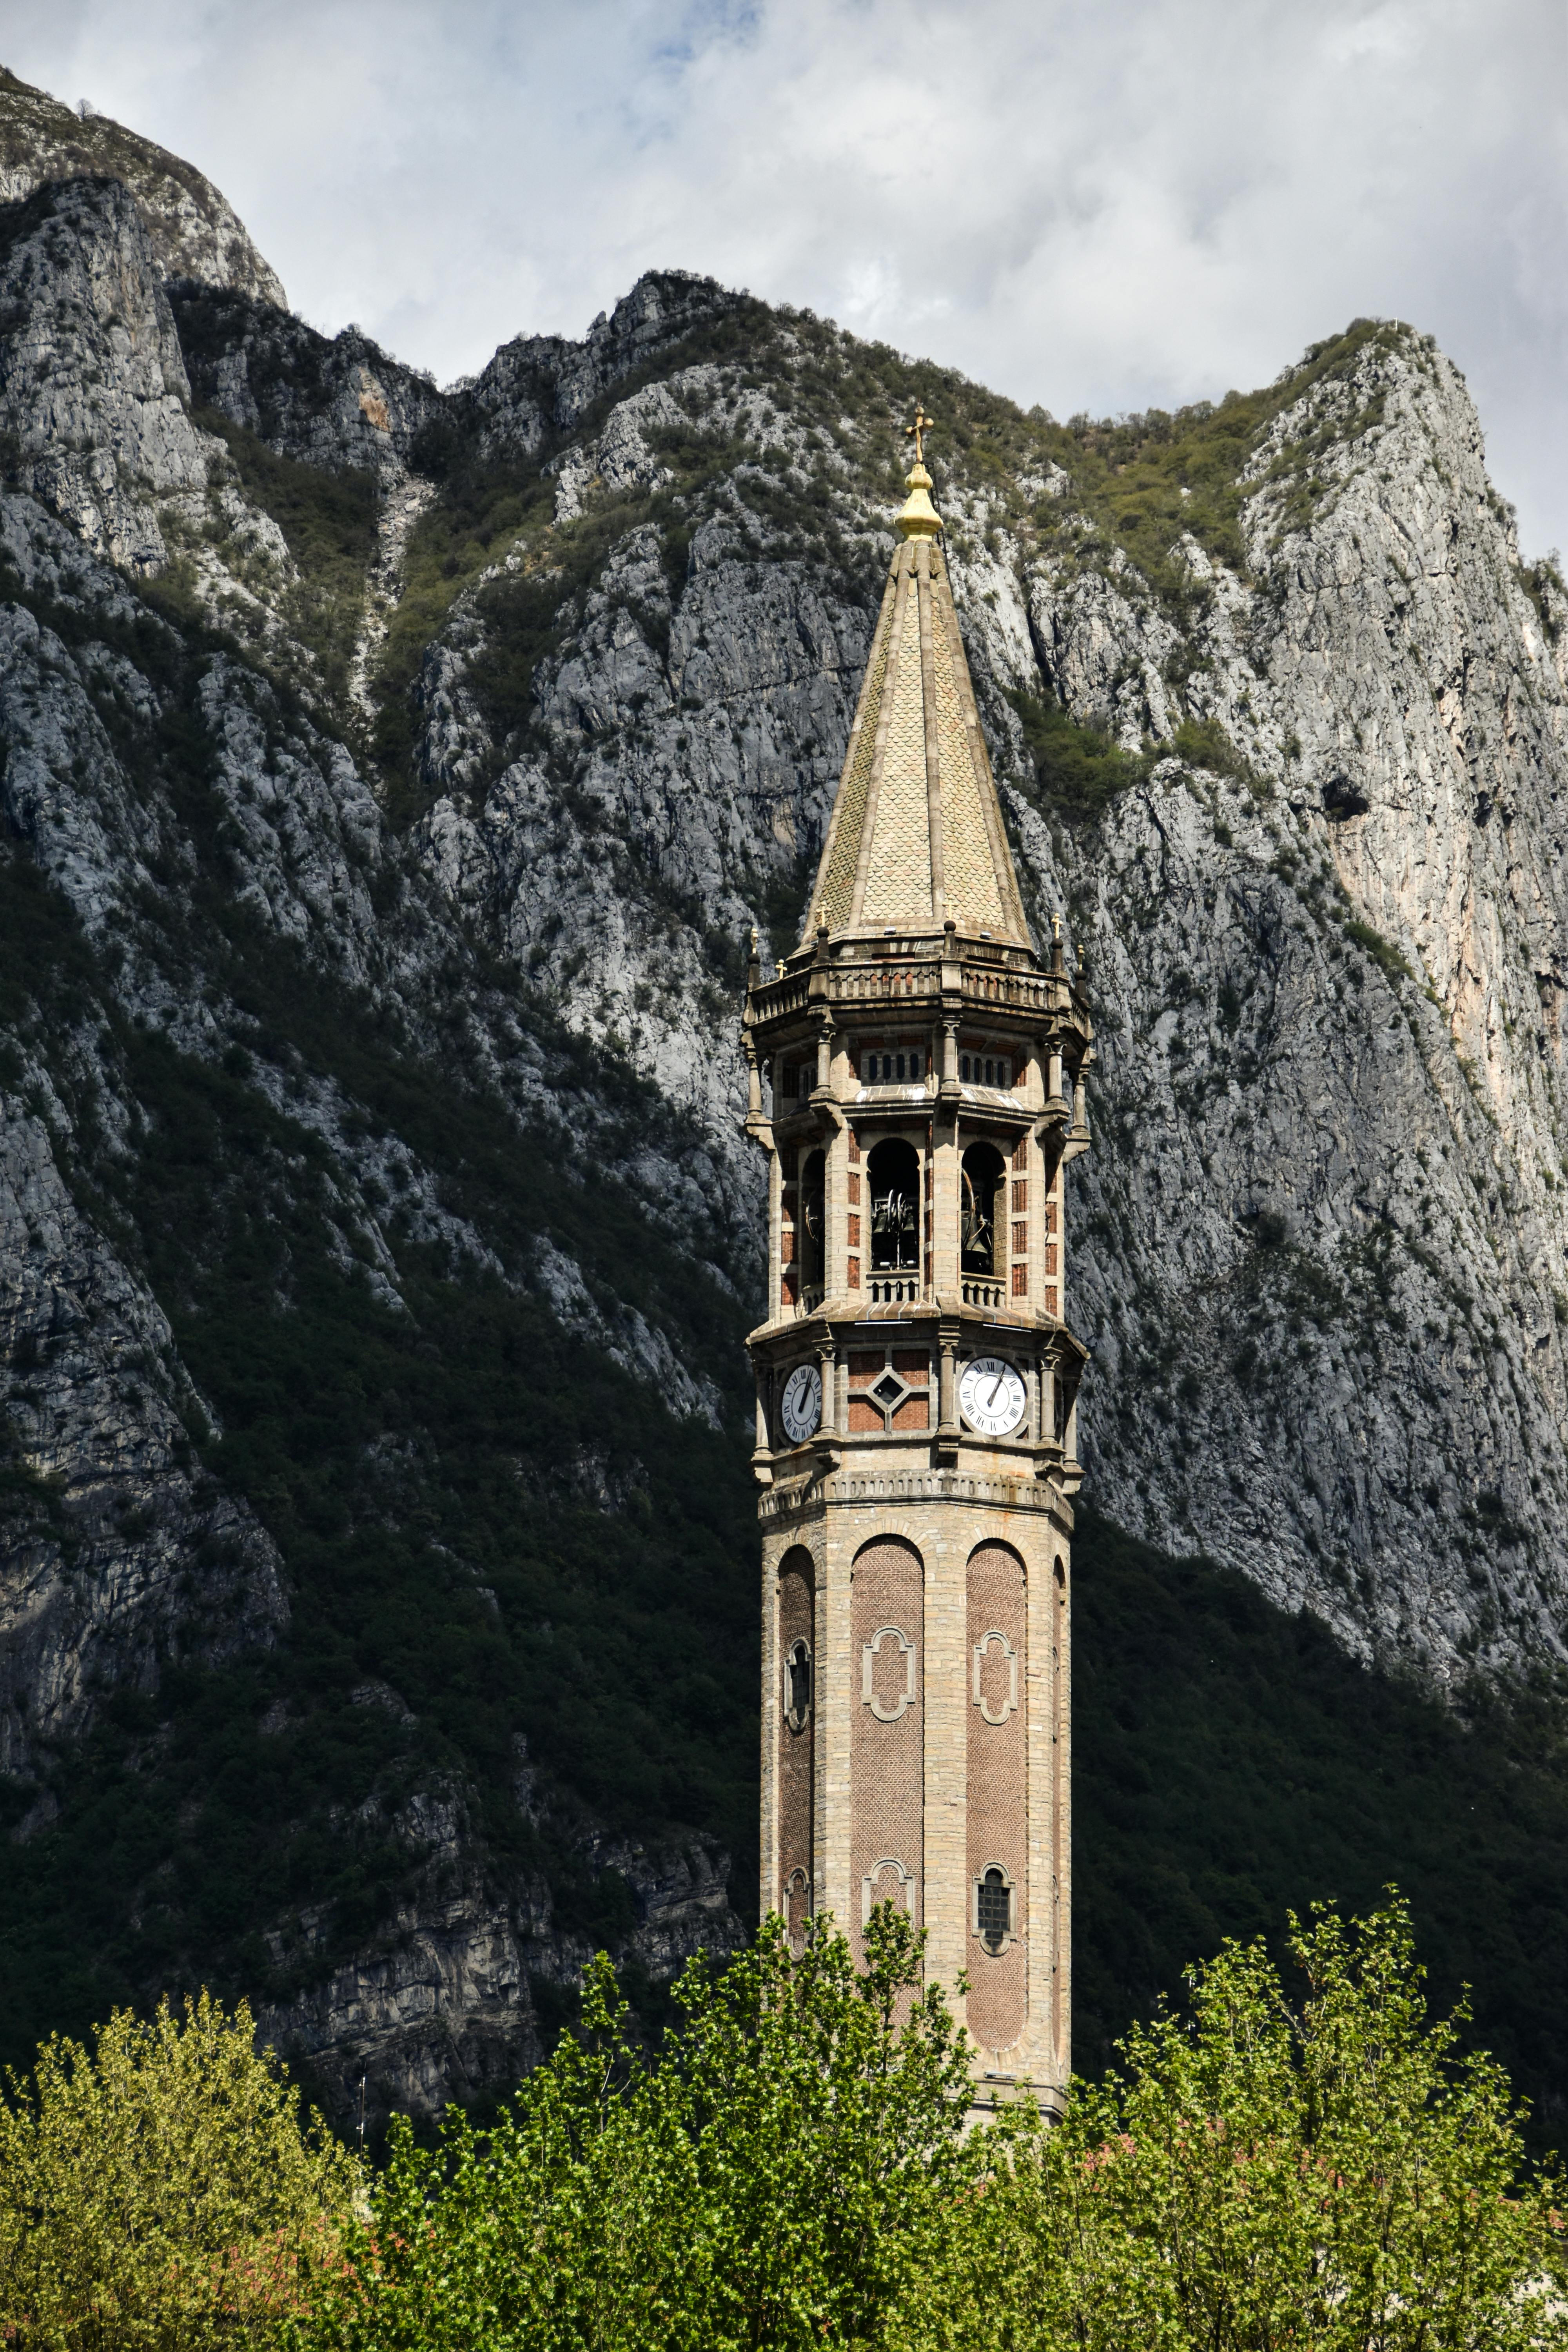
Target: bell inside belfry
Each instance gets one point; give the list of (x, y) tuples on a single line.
[(895, 1175), (983, 1178)]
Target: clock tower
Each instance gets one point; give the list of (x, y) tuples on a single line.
[(915, 1072)]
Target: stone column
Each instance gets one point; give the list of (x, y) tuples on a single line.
[(768, 1859), (838, 1686), (945, 1536), (948, 1432), (775, 1237)]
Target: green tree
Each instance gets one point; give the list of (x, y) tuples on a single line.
[(778, 2179), (161, 2191), (1331, 2173)]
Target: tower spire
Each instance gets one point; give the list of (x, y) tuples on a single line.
[(917, 839)]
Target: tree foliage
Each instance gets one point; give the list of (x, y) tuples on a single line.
[(1266, 2172), (1272, 2167), (775, 2180), (161, 2191)]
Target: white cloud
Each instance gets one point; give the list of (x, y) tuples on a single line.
[(1092, 206)]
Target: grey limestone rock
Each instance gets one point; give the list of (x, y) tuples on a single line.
[(92, 383), (540, 385), (131, 1560), (1330, 1011), (445, 1999), (193, 230), (336, 402)]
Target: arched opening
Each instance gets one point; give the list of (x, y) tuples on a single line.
[(993, 1908), (797, 1685), (813, 1220), (795, 1759), (895, 1178), (983, 1178)]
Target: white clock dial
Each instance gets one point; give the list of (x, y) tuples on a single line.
[(991, 1396), (802, 1408)]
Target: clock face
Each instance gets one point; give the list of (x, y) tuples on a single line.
[(991, 1396), (802, 1408)]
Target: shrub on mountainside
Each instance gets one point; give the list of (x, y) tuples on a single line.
[(1272, 2167), (162, 2190)]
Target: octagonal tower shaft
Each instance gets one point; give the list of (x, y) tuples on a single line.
[(917, 1080)]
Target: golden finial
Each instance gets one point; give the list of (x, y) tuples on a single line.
[(1056, 927), (918, 518)]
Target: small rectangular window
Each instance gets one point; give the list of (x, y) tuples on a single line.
[(1020, 1282)]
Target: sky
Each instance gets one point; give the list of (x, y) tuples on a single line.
[(1100, 205)]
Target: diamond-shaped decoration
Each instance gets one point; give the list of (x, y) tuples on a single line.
[(887, 1390)]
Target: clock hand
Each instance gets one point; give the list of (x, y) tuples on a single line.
[(995, 1391)]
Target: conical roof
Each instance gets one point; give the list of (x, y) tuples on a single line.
[(916, 836)]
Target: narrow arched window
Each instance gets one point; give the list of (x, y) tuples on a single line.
[(813, 1217), (994, 1910), (983, 1176), (797, 1686), (895, 1174)]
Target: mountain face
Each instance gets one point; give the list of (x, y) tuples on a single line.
[(392, 779), (192, 230)]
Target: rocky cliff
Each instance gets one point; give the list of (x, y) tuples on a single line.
[(392, 777), (1321, 1259), (192, 230)]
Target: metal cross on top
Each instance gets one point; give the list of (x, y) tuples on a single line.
[(922, 425)]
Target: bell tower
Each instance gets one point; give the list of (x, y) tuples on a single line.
[(915, 1072)]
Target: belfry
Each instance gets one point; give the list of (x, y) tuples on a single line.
[(916, 1075)]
